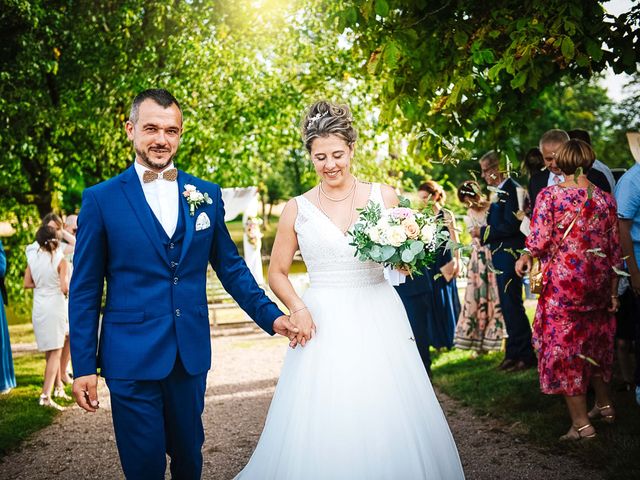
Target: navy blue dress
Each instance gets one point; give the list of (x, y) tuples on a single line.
[(446, 303), (417, 297), (7, 375)]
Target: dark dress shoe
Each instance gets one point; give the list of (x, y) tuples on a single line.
[(519, 366), (507, 363)]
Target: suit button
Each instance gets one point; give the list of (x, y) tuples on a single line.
[(171, 245), (177, 312), (175, 280), (174, 264)]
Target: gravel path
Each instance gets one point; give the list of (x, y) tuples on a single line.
[(240, 387)]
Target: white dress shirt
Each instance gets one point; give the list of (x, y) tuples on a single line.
[(162, 197), (552, 179)]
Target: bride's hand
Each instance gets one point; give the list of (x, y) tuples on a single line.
[(283, 326), (301, 318), (404, 271)]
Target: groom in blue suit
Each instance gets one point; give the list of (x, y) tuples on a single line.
[(150, 232)]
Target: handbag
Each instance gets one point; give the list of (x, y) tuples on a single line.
[(536, 274)]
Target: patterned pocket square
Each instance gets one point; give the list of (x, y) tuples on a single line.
[(202, 222)]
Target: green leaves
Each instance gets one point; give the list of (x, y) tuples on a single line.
[(567, 48), (381, 8)]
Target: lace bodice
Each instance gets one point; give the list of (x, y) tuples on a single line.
[(326, 251)]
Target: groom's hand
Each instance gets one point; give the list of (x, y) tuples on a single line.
[(283, 326), (85, 391)]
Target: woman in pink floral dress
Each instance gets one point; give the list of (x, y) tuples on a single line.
[(574, 325)]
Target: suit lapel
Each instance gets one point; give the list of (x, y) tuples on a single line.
[(133, 191), (189, 221)]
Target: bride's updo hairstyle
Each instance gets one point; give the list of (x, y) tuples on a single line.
[(325, 118)]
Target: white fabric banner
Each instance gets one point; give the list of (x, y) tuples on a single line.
[(245, 201)]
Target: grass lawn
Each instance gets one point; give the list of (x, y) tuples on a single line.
[(515, 399), (20, 414), (21, 333)]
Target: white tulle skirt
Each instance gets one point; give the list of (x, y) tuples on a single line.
[(356, 402)]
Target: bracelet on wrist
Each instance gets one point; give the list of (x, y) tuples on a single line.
[(298, 310)]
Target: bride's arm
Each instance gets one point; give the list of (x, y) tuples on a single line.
[(285, 246), (389, 196)]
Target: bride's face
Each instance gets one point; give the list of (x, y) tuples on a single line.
[(331, 158)]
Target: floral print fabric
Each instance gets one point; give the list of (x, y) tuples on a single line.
[(481, 324), (573, 332)]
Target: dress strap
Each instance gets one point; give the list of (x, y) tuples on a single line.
[(303, 212), (376, 195)]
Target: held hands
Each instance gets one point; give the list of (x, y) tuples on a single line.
[(85, 391), (283, 326), (301, 318), (523, 265)]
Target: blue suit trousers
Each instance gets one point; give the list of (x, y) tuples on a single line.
[(510, 290), (152, 417)]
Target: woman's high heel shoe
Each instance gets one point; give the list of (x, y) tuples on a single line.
[(607, 413), (45, 401), (576, 433)]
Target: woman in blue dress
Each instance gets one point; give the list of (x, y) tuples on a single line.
[(446, 303), (7, 375)]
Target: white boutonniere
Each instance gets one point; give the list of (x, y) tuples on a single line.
[(195, 198)]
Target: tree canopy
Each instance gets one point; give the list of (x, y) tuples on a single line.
[(479, 74)]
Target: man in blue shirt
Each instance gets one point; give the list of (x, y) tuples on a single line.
[(628, 198)]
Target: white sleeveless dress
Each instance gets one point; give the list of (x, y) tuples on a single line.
[(356, 402), (50, 309)]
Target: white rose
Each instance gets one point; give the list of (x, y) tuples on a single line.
[(396, 235), (196, 196), (427, 233), (374, 234), (189, 188)]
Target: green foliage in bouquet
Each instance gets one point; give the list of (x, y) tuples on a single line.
[(399, 237)]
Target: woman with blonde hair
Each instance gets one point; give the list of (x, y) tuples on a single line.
[(47, 273), (574, 233)]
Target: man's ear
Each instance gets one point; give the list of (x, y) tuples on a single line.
[(129, 129)]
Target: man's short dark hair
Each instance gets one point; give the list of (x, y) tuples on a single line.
[(159, 95), (580, 134)]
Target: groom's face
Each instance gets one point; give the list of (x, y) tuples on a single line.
[(155, 134)]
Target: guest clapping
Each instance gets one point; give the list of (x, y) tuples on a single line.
[(47, 274), (574, 233), (503, 236)]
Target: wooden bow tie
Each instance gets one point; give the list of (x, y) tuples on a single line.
[(170, 175)]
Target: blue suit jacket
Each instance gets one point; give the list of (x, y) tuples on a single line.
[(504, 226), (152, 311)]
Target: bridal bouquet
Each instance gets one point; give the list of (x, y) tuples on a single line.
[(399, 237)]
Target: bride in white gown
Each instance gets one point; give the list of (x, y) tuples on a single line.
[(355, 402)]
